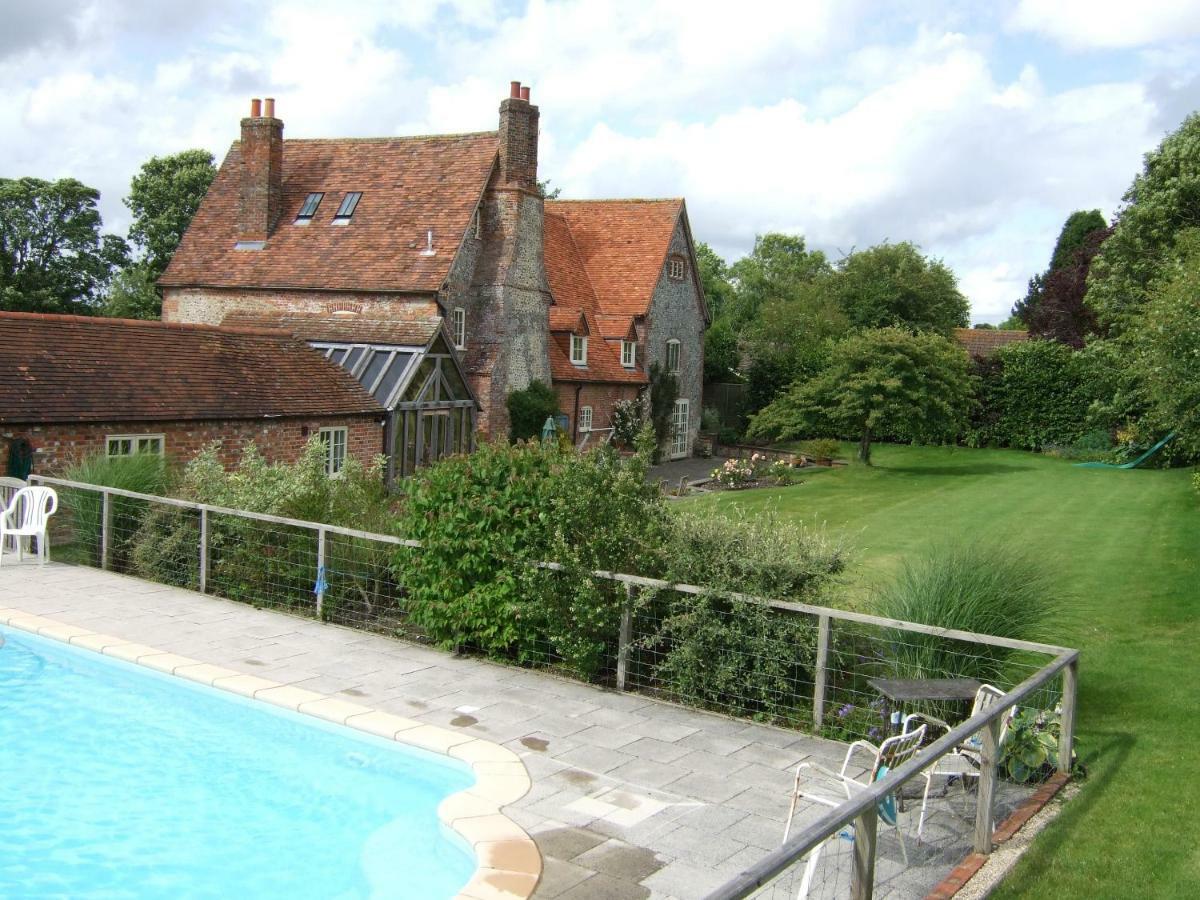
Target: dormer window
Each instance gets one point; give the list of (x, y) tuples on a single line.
[(309, 208), (578, 350), (676, 268), (346, 210), (628, 354)]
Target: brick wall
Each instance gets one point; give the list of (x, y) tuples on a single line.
[(56, 446), (260, 200), (209, 306), (600, 397)]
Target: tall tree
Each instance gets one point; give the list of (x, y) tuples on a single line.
[(163, 197), (1072, 237), (1163, 200), (885, 379), (1061, 313), (778, 267), (53, 257), (714, 278), (894, 285)]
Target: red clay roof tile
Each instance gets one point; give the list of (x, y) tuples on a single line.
[(981, 342), (341, 327), (80, 369), (409, 186), (603, 364)]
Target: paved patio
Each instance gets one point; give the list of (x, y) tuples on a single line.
[(631, 798)]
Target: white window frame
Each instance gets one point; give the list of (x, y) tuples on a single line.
[(673, 356), (579, 349), (135, 444), (629, 354), (458, 325), (585, 418), (676, 268), (329, 437)]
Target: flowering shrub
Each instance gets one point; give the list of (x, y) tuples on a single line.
[(737, 473), (628, 418)]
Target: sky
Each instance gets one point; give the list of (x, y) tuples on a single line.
[(969, 128)]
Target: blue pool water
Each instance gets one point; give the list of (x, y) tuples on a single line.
[(120, 782)]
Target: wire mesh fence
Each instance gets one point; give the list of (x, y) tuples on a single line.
[(807, 668)]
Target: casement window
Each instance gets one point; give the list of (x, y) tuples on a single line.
[(585, 418), (334, 440), (673, 356), (309, 208), (133, 444), (458, 327), (628, 354), (676, 268), (578, 350), (347, 207)]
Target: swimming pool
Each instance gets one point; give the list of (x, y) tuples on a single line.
[(123, 782)]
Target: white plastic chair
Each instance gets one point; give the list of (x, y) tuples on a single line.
[(963, 761), (26, 516), (8, 489), (889, 755)]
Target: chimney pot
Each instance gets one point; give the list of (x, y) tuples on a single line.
[(514, 90), (525, 94), (269, 107), (255, 108)]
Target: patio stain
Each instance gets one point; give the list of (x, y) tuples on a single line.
[(538, 744), (354, 692), (576, 777), (462, 721)]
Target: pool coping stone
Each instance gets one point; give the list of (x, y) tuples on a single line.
[(508, 862)]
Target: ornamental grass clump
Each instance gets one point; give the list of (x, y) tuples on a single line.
[(986, 589), (142, 473)]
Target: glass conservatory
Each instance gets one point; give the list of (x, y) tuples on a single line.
[(431, 412)]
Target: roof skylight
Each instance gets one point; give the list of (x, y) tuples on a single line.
[(346, 210)]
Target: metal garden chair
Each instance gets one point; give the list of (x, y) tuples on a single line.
[(26, 516), (963, 761), (827, 785)]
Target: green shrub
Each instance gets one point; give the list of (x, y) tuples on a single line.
[(628, 418), (143, 473), (731, 655), (969, 587), (710, 419), (820, 448), (528, 410), (483, 520), (664, 391), (1030, 749), (1035, 394)]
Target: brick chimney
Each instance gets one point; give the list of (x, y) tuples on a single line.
[(518, 139), (261, 198)]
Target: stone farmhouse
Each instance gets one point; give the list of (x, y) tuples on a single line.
[(365, 247)]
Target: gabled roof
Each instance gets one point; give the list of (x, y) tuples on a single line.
[(603, 364), (614, 328), (341, 327), (981, 342), (568, 319), (622, 245), (409, 186), (82, 369)]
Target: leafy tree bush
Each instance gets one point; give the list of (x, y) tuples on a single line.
[(1075, 233), (733, 655), (883, 381), (664, 391), (895, 285), (1163, 200), (484, 519), (528, 410), (163, 197), (1034, 394), (628, 419), (987, 589), (1060, 312)]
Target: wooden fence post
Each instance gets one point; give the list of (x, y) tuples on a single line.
[(203, 550), (625, 636), (320, 584), (1066, 736), (823, 629), (862, 879), (105, 527), (985, 809)]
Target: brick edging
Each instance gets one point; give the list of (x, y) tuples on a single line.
[(973, 862)]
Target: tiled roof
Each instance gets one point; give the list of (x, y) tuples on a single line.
[(409, 186), (342, 327), (569, 283), (617, 327), (603, 364), (568, 318), (981, 342), (81, 369), (622, 245)]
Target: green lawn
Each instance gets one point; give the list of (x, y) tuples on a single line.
[(1126, 546)]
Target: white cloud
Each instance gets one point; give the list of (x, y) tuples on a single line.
[(1092, 24)]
